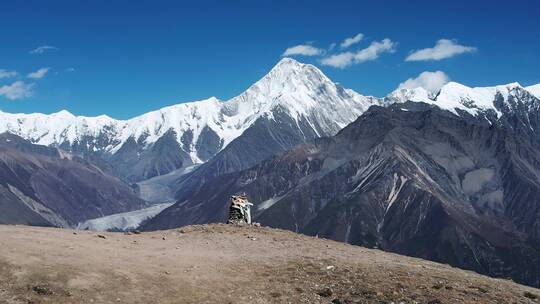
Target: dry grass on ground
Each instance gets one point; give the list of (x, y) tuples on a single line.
[(226, 264)]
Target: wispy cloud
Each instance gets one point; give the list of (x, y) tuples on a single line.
[(372, 52), (332, 46), (431, 81), (7, 74), (444, 48), (42, 49), (302, 49), (38, 74), (17, 90), (352, 40)]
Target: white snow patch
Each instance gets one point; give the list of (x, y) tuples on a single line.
[(534, 89), (398, 184)]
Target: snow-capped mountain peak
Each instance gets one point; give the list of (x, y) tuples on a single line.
[(288, 76), (300, 88)]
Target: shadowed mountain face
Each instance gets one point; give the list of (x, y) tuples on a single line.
[(45, 186), (410, 178), (133, 162), (265, 138)]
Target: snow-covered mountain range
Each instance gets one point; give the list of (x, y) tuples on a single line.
[(302, 89), (457, 98), (201, 129)]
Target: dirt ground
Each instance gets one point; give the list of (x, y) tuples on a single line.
[(226, 264)]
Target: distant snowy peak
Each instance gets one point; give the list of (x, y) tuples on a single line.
[(190, 117), (457, 97), (55, 128), (417, 94)]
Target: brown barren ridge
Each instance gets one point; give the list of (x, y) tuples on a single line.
[(226, 264)]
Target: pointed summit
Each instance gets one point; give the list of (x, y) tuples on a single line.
[(289, 76), (288, 67), (287, 61)]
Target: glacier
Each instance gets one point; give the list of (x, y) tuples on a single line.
[(122, 221)]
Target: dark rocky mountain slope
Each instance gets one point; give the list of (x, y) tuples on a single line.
[(411, 178), (46, 186)]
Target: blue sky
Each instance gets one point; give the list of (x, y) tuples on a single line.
[(124, 58)]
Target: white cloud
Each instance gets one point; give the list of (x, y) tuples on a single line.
[(38, 74), (431, 81), (304, 50), (352, 40), (16, 90), (7, 74), (42, 49), (372, 52), (340, 60), (444, 48)]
